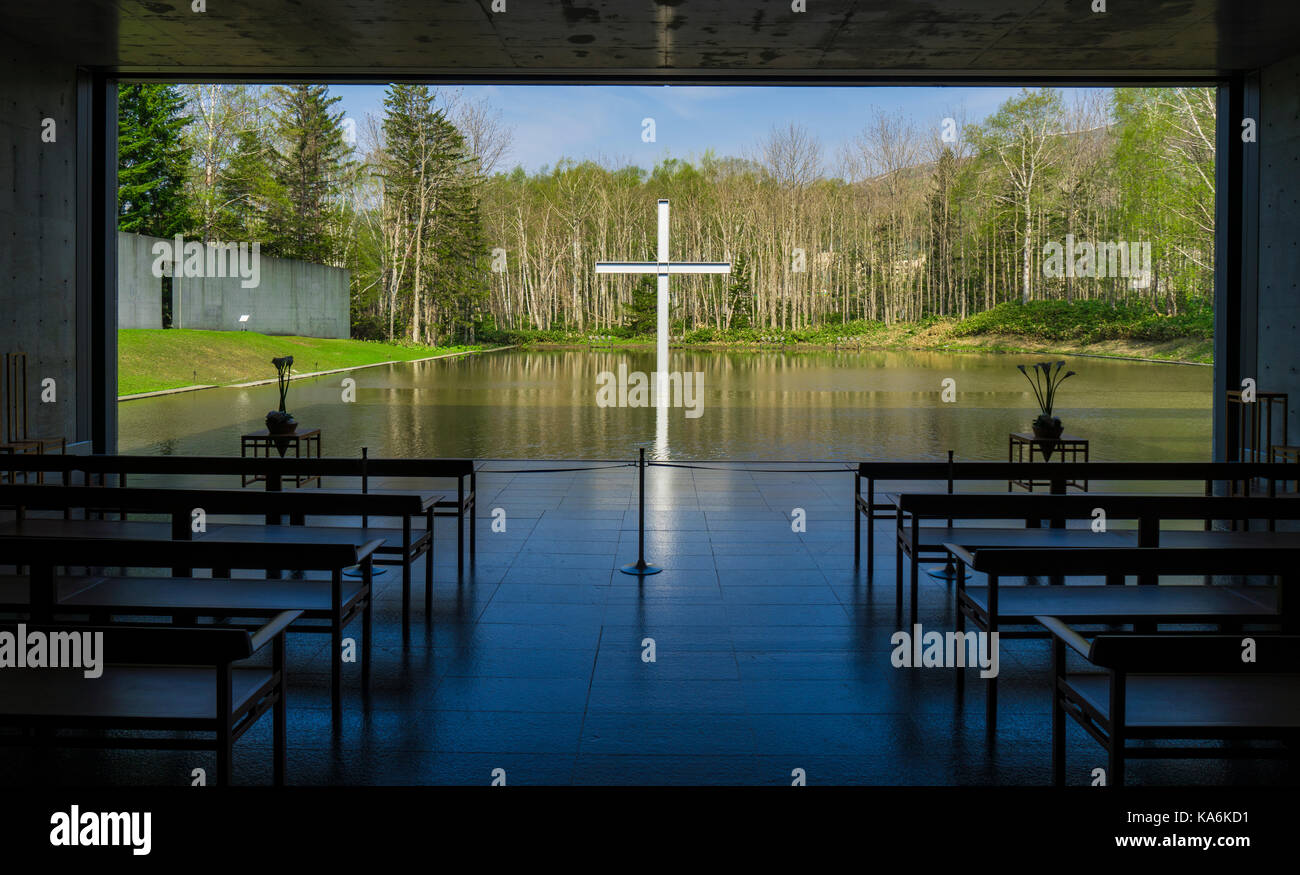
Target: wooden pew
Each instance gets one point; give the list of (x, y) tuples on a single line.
[(337, 601), (1174, 687), (990, 608), (403, 543), (915, 540), (463, 507), (1196, 477), (16, 596), (170, 679), (104, 469)]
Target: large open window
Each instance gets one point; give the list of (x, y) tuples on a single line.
[(894, 255)]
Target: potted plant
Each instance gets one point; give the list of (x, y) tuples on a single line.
[(280, 421), (1045, 381)]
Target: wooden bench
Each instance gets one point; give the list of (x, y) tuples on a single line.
[(16, 595), (104, 469), (463, 507), (337, 601), (169, 679), (1174, 687), (1196, 477), (990, 608), (914, 540), (403, 544)]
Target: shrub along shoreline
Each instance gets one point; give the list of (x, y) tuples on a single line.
[(1082, 328)]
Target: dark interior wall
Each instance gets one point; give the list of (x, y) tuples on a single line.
[(38, 230), (1278, 318)]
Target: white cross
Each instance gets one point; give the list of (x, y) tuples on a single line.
[(662, 267)]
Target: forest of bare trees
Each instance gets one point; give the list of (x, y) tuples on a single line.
[(904, 224)]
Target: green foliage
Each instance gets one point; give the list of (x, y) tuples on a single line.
[(740, 293), (152, 160), (1088, 322), (308, 167), (643, 313), (1164, 159), (247, 191), (221, 114), (430, 193), (524, 336), (153, 359)]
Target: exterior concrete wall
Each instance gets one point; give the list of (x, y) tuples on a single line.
[(1278, 326), (38, 216), (293, 297), (139, 292)]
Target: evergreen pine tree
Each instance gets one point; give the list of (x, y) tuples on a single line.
[(152, 160), (739, 294), (643, 314), (308, 166), (247, 191), (430, 179)]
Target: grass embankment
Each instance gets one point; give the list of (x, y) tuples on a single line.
[(1091, 327), (149, 360)]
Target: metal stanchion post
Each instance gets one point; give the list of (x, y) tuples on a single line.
[(640, 567)]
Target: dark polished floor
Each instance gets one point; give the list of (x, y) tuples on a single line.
[(772, 654)]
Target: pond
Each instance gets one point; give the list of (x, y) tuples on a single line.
[(542, 404)]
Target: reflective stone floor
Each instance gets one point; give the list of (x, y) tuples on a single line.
[(771, 654)]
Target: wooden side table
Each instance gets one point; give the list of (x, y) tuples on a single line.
[(1025, 447), (305, 443)]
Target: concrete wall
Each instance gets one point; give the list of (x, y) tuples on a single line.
[(38, 215), (139, 292), (1278, 327), (292, 297)]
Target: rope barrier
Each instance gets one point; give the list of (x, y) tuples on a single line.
[(551, 470), (730, 466), (758, 470)]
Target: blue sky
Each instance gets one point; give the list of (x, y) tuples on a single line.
[(604, 122)]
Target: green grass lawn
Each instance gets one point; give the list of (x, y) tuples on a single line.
[(152, 359)]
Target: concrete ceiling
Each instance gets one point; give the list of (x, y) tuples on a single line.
[(662, 40)]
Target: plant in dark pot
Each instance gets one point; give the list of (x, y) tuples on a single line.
[(280, 421), (1045, 381)]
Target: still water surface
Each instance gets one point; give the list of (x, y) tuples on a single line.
[(541, 404)]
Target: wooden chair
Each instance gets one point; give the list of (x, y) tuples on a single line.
[(331, 604), (1176, 477), (276, 471), (1175, 687), (402, 545), (462, 507), (991, 608), (159, 679), (16, 437), (914, 540)]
